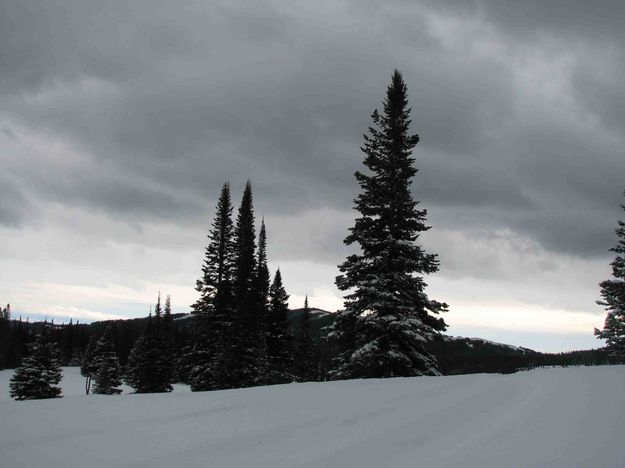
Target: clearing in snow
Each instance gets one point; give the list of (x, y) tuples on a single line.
[(562, 417)]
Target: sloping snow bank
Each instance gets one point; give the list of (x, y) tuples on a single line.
[(571, 417)]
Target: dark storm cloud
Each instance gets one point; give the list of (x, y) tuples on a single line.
[(163, 103), (594, 29), (581, 21)]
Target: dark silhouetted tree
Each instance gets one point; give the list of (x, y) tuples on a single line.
[(613, 293), (388, 316), (247, 360), (150, 367), (279, 342), (262, 315), (210, 360), (168, 344), (305, 358)]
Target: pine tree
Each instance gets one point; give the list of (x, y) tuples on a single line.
[(143, 366), (40, 372), (168, 345), (279, 342), (263, 317), (305, 359), (160, 347), (108, 371), (150, 367), (139, 373), (388, 316), (210, 360), (613, 293), (247, 370)]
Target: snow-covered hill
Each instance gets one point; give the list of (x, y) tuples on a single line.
[(470, 342), (572, 417)]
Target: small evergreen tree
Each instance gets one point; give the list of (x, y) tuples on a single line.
[(107, 369), (613, 293), (279, 342), (305, 358), (135, 374), (150, 367), (141, 368), (40, 372), (388, 317)]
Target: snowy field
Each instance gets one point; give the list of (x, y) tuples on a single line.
[(571, 417)]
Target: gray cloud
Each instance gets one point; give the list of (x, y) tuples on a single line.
[(160, 104), (13, 204)]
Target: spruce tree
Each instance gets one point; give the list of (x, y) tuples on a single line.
[(210, 360), (139, 371), (40, 372), (388, 316), (279, 342), (613, 293), (108, 371), (162, 347), (305, 359), (150, 366), (168, 346), (263, 317), (247, 370)]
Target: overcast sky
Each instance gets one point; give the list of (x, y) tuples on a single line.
[(120, 122)]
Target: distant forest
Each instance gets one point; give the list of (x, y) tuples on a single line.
[(455, 356)]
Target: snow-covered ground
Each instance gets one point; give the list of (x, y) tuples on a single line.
[(571, 417)]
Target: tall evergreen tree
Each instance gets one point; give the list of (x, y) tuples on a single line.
[(168, 345), (40, 372), (247, 369), (388, 316), (245, 260), (305, 359), (108, 371), (262, 271), (210, 360), (219, 255), (613, 293), (162, 345), (279, 342), (263, 317)]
